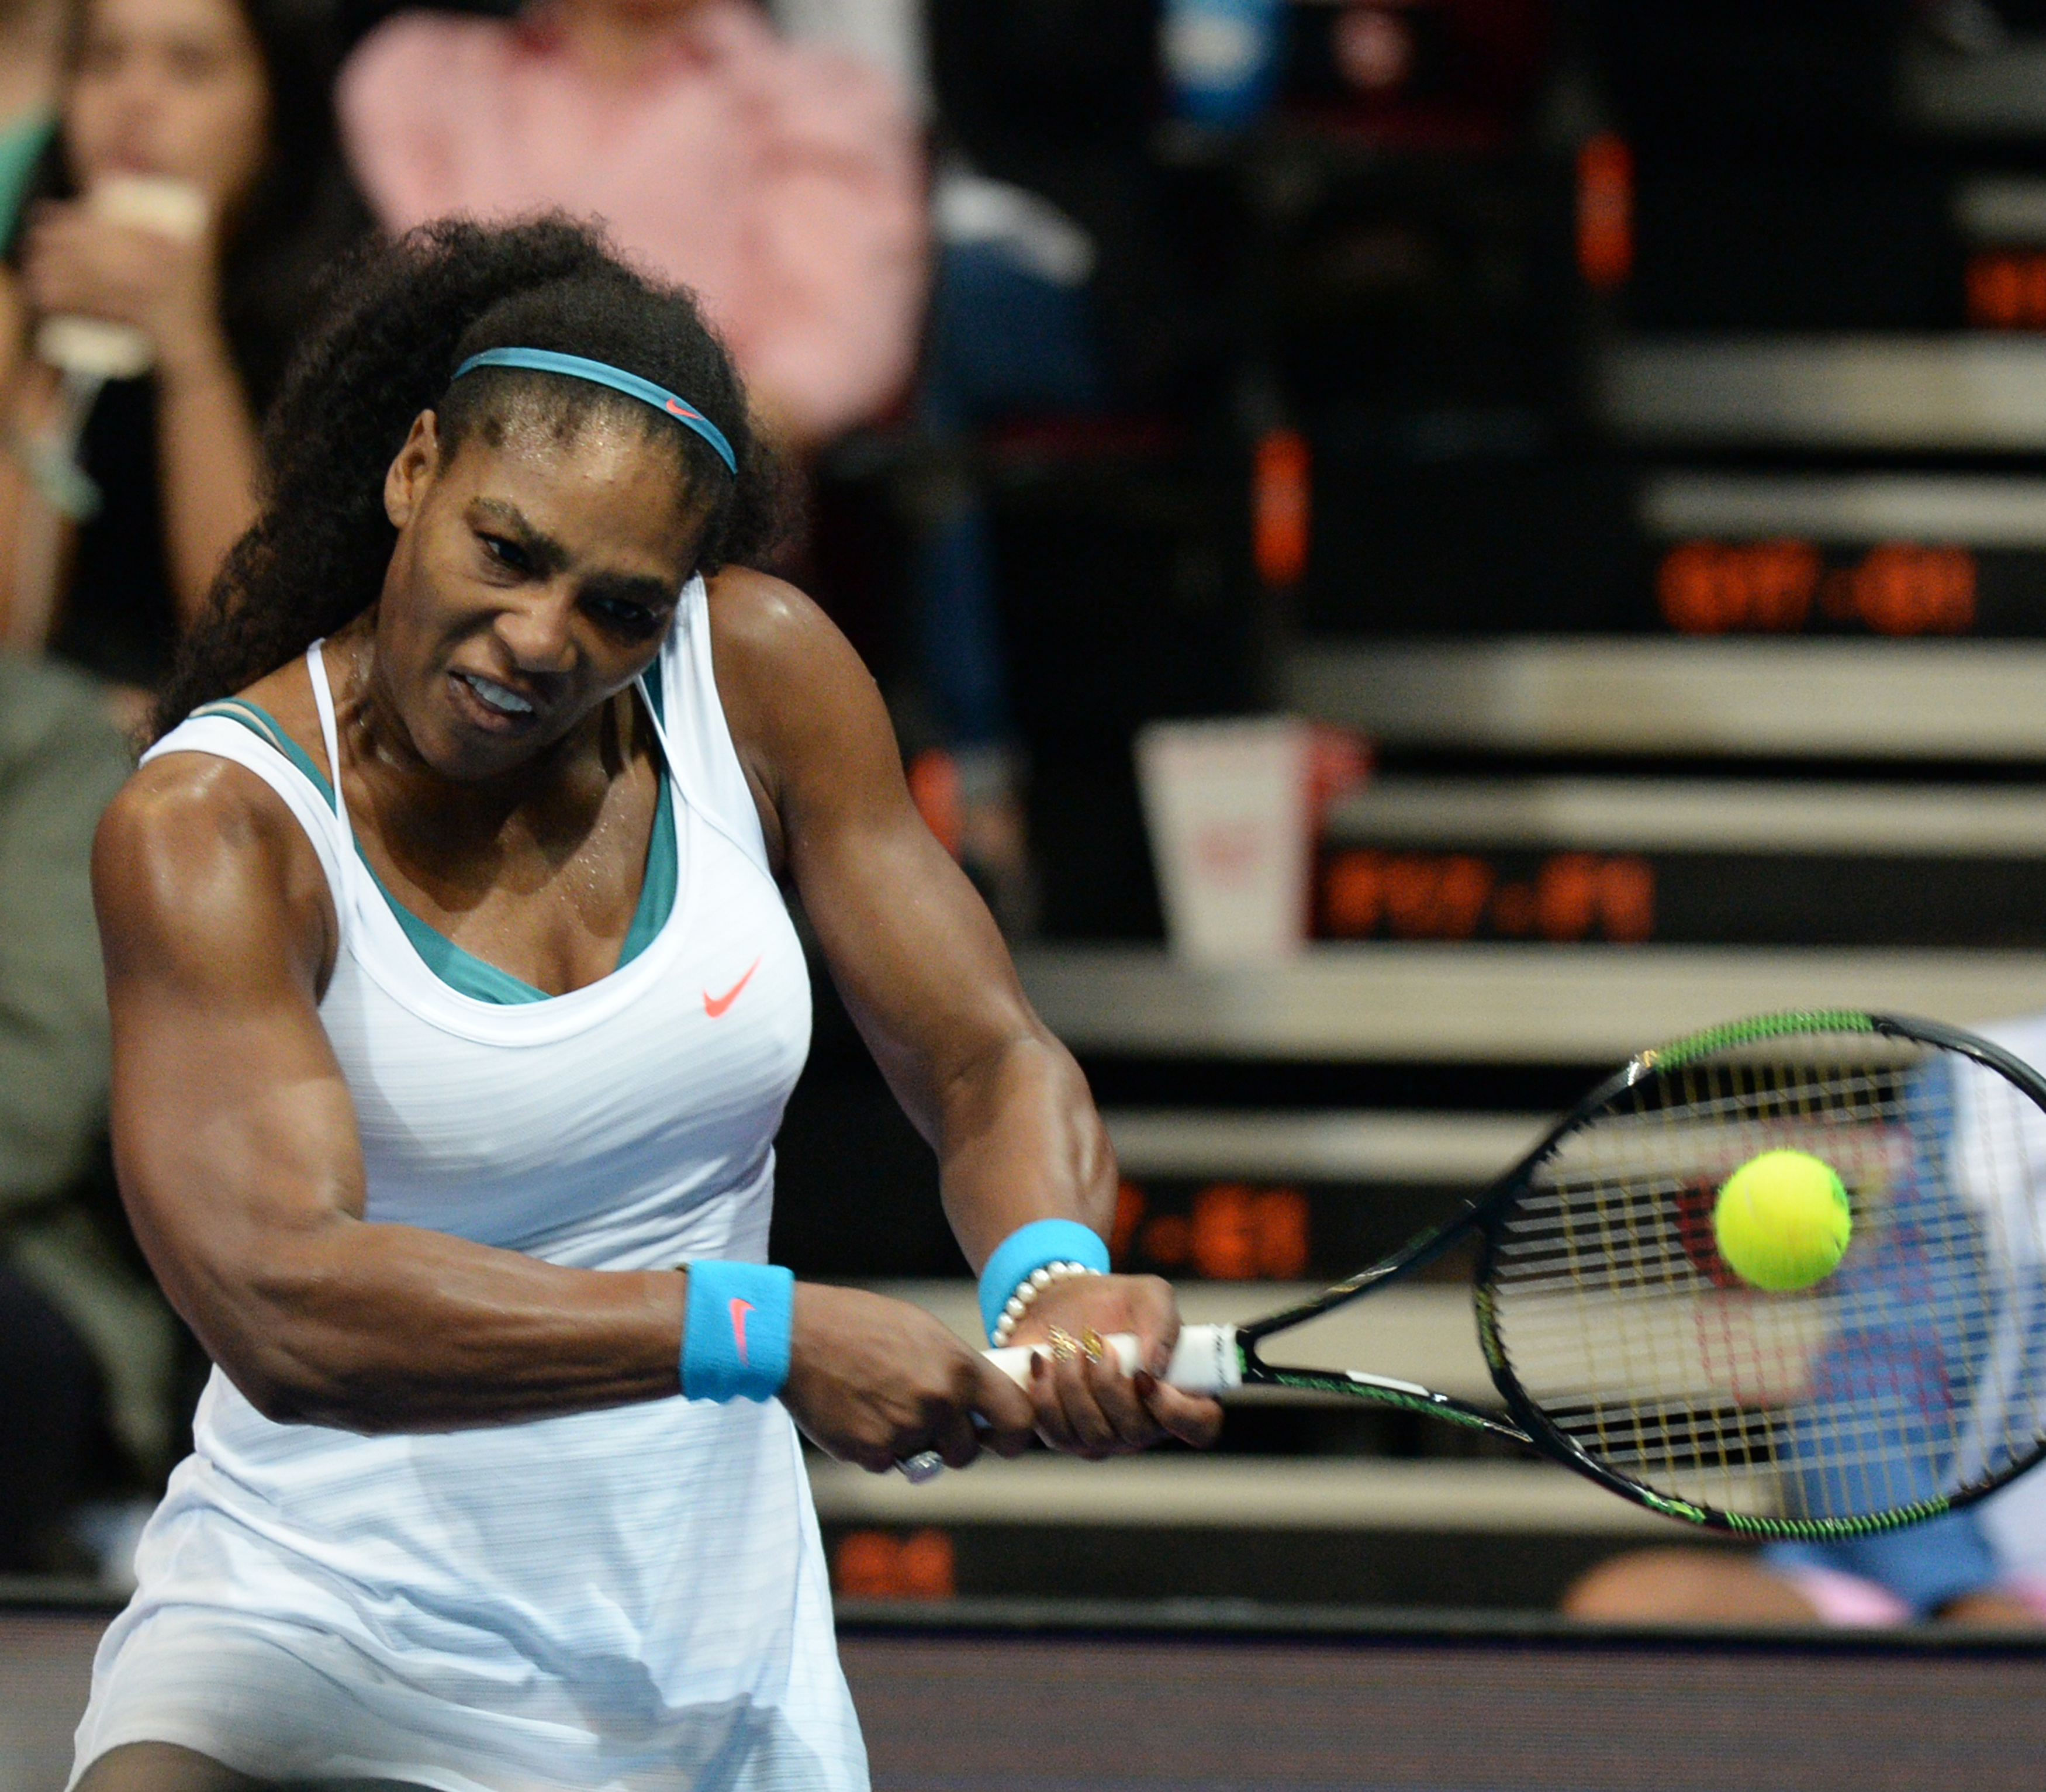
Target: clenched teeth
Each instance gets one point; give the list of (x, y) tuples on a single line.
[(494, 695)]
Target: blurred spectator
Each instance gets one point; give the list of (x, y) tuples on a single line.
[(29, 30), (88, 1351), (1984, 1565), (1027, 98), (782, 181), (1057, 99), (1012, 335), (887, 33), (234, 98)]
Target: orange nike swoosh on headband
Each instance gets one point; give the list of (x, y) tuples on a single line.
[(714, 1006)]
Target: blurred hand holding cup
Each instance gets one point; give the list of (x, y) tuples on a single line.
[(94, 348), (88, 352)]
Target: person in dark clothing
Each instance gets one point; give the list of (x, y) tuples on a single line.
[(89, 1352), (1058, 289), (230, 99)]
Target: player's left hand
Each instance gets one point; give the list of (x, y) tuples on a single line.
[(1085, 1403)]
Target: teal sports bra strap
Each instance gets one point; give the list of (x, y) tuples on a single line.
[(260, 722)]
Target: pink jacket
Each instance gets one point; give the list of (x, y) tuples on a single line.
[(781, 181)]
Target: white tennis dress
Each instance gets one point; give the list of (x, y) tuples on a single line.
[(634, 1598)]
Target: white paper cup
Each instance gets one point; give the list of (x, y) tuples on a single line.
[(1227, 806)]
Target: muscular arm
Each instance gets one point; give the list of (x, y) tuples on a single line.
[(237, 1146), (922, 968), (931, 987), (239, 1159)]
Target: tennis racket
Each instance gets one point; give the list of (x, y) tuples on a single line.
[(1909, 1382)]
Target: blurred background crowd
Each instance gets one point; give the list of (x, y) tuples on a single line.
[(1441, 369)]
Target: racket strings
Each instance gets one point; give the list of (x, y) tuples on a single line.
[(1915, 1371)]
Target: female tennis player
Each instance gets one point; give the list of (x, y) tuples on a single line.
[(455, 1007)]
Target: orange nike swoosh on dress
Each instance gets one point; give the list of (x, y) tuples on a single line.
[(715, 1004)]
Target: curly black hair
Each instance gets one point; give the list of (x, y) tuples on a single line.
[(402, 317)]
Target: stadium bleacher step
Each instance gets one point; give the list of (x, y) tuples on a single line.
[(1233, 1493), (2001, 93), (1800, 552), (1695, 861), (1898, 702), (1308, 1192), (1982, 393), (1479, 1003), (1369, 1146), (1838, 509), (1755, 816)]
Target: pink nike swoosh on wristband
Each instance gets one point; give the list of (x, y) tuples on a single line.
[(739, 1309)]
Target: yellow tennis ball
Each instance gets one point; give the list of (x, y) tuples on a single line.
[(1783, 1222)]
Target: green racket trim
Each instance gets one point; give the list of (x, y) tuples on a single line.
[(1826, 1530), (1548, 1442), (1405, 1397), (1762, 1026)]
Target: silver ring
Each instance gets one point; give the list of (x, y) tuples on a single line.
[(926, 1465)]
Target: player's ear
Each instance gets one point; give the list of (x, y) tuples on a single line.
[(408, 476)]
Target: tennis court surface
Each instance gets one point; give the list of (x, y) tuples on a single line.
[(1012, 1697)]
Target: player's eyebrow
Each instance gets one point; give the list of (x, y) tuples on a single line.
[(502, 517)]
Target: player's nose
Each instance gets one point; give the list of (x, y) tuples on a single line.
[(539, 633)]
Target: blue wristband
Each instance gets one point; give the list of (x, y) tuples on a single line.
[(735, 1334), (1030, 1248)]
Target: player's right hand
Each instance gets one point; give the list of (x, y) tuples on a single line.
[(873, 1382)]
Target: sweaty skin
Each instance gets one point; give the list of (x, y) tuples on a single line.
[(546, 568)]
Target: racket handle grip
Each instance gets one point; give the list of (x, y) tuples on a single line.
[(1204, 1360)]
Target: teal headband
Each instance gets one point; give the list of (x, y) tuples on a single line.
[(602, 373)]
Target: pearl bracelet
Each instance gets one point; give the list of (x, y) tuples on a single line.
[(1027, 1291)]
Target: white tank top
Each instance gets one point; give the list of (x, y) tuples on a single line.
[(598, 1599)]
